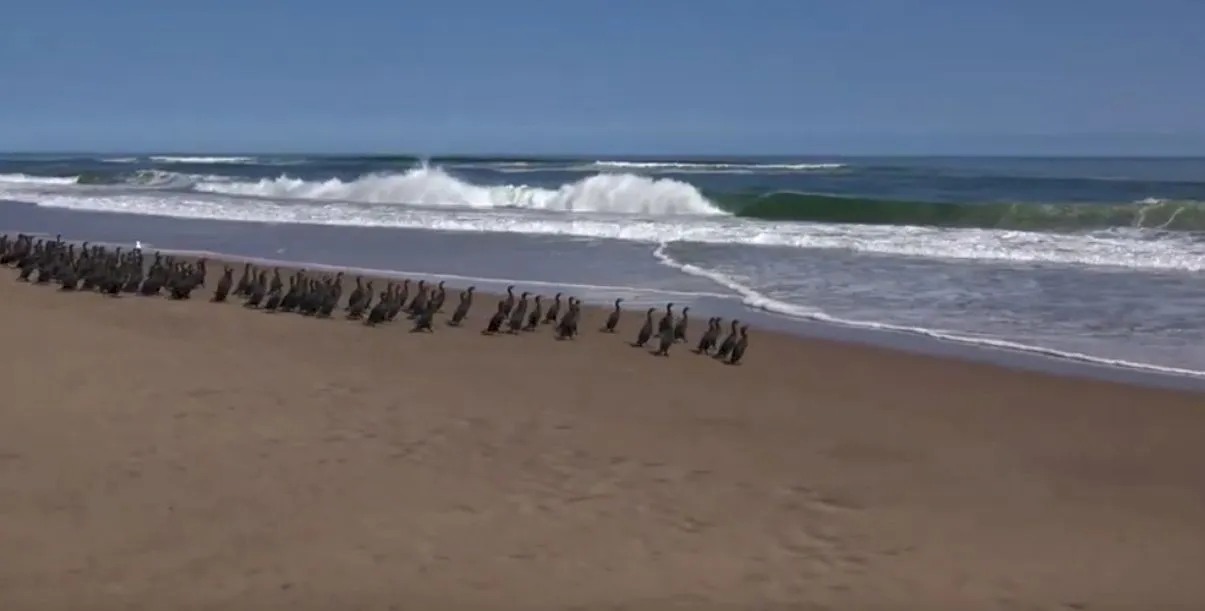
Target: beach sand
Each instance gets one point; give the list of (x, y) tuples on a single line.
[(186, 455)]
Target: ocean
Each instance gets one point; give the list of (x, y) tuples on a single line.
[(1081, 260)]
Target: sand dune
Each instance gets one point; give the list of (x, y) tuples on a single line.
[(185, 455)]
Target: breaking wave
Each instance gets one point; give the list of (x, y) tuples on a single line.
[(433, 187), (643, 194)]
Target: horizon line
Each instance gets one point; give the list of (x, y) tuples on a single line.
[(587, 156)]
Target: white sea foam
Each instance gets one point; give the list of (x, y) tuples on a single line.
[(754, 299), (429, 186), (26, 179), (1106, 249)]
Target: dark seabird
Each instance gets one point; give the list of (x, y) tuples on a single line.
[(275, 296), (666, 339), (462, 309), (243, 288), (396, 301), (517, 314), (567, 328), (26, 267), (667, 320), (509, 301), (537, 312), (438, 296), (355, 309), (613, 320), (151, 285), (200, 272), (332, 293), (45, 269), (380, 311), (680, 328), (277, 285), (646, 330), (729, 342), (257, 291), (425, 319), (403, 298), (738, 351), (224, 285), (421, 297), (707, 342), (134, 278), (311, 297), (496, 320), (68, 277), (289, 302), (357, 293), (554, 311), (187, 282), (113, 282)]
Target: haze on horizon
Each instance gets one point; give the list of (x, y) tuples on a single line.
[(862, 77)]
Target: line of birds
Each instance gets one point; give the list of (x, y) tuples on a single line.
[(114, 271)]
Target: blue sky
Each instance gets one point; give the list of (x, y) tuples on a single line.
[(620, 76)]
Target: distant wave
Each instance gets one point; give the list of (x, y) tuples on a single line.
[(157, 179), (504, 165), (1151, 213), (201, 160), (26, 179), (713, 167)]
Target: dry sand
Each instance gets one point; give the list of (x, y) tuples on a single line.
[(185, 455)]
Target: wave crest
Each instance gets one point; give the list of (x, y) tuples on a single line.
[(27, 179), (201, 160), (433, 187)]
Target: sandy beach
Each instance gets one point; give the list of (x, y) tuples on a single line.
[(160, 454)]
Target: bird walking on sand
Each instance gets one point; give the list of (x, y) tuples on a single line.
[(496, 320), (729, 342), (425, 319), (680, 327), (462, 309), (533, 319), (738, 351), (613, 319), (379, 312), (554, 311), (223, 289), (707, 342), (665, 341), (646, 331), (567, 328), (517, 314), (508, 302), (667, 319)]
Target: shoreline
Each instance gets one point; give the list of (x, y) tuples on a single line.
[(731, 305), (194, 455)]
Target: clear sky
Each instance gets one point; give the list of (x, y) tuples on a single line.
[(614, 76)]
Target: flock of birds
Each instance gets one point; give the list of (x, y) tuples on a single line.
[(114, 271)]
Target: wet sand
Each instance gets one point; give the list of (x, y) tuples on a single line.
[(186, 455)]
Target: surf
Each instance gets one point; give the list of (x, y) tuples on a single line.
[(753, 299), (434, 187)]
